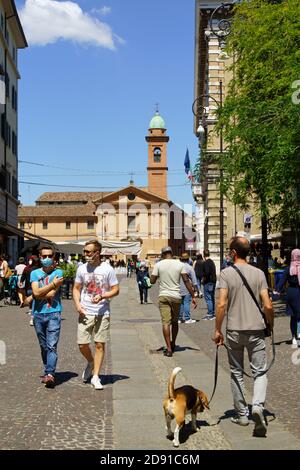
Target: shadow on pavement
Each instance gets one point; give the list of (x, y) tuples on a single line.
[(111, 379), (62, 377), (162, 349), (231, 414), (187, 430)]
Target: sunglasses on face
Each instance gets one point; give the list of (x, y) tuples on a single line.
[(46, 256), (87, 252)]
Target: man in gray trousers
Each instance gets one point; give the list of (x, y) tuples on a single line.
[(245, 329)]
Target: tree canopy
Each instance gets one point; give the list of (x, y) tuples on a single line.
[(261, 113)]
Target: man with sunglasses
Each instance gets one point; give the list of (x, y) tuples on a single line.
[(46, 310), (95, 284)]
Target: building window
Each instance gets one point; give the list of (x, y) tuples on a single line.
[(131, 222), (7, 80), (131, 196), (14, 183), (45, 224), (90, 224), (68, 225), (14, 98), (22, 225), (157, 155)]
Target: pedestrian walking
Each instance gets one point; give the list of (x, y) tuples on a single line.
[(21, 286), (95, 284), (209, 280), (33, 263), (142, 274), (46, 309), (198, 268), (185, 313), (244, 329), (291, 275), (169, 272)]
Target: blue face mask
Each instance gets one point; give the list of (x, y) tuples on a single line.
[(47, 262)]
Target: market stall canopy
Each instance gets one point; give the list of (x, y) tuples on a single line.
[(109, 247), (271, 237)]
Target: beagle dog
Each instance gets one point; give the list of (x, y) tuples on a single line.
[(181, 401)]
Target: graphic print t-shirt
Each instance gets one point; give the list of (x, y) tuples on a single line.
[(95, 280), (43, 279)]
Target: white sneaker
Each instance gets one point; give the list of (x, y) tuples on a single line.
[(294, 343), (88, 372), (96, 382), (31, 322), (190, 321)]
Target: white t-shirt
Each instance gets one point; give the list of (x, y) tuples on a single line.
[(95, 280), (169, 272)]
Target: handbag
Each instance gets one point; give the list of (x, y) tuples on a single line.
[(147, 282), (8, 273), (268, 329)]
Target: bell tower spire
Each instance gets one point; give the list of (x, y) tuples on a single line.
[(157, 156)]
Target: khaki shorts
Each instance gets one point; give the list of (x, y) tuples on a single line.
[(169, 309), (93, 324)]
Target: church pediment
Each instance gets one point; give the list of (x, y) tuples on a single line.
[(132, 195)]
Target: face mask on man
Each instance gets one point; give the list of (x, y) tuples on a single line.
[(46, 262)]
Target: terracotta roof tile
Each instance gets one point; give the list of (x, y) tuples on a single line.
[(71, 196), (56, 210)]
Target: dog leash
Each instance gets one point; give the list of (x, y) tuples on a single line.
[(216, 373), (237, 365)]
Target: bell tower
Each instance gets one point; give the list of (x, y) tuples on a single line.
[(157, 156)]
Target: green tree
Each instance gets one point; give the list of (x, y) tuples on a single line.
[(261, 113)]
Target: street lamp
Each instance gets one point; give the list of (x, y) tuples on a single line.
[(201, 111)]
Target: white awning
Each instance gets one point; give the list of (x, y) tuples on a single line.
[(109, 247)]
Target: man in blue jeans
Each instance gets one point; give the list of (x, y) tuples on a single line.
[(46, 310), (185, 312), (209, 280)]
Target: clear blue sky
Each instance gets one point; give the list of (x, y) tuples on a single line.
[(86, 98)]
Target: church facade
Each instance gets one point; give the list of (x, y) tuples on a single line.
[(142, 218)]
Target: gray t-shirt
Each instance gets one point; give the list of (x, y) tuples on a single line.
[(169, 272), (242, 313), (192, 276)]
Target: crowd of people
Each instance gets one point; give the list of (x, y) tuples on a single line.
[(37, 280)]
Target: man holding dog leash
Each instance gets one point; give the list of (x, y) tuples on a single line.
[(245, 329)]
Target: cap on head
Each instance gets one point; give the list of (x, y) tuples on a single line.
[(185, 256), (166, 249)]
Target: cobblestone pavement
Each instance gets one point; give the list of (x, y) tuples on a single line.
[(73, 415), (284, 376)]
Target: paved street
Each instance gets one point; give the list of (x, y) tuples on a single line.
[(127, 414)]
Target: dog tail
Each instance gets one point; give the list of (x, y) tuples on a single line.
[(172, 380)]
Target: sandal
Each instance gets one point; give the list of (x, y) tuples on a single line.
[(168, 353)]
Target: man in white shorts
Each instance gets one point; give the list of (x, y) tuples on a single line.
[(95, 284)]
